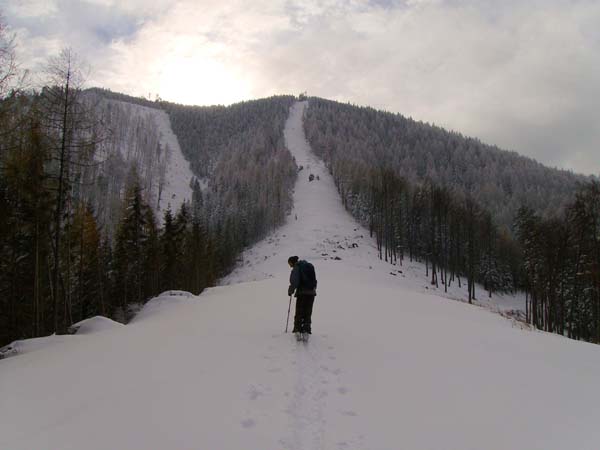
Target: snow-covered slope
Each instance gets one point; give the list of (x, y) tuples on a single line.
[(175, 187), (391, 365), (320, 230), (178, 175), (142, 137)]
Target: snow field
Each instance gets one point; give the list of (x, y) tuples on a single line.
[(386, 368)]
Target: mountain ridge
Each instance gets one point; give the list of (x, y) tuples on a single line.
[(506, 179), (158, 104)]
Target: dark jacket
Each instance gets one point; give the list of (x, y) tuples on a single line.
[(296, 284)]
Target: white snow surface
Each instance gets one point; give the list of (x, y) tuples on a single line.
[(179, 174), (96, 324), (391, 365)]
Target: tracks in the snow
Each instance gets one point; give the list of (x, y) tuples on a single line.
[(313, 385)]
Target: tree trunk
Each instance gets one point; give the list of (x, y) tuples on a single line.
[(59, 205)]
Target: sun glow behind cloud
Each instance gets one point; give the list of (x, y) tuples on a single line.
[(200, 80), (195, 53)]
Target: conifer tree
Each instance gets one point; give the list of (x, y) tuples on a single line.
[(169, 253), (85, 247), (584, 215), (131, 248), (24, 224), (152, 256), (196, 258)]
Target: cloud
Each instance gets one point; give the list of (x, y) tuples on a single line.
[(30, 8), (193, 54), (520, 74), (43, 28)]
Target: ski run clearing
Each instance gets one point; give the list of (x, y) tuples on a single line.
[(391, 364), (175, 188)]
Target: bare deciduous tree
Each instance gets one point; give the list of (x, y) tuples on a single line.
[(9, 70), (71, 129)]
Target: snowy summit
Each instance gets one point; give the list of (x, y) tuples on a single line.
[(391, 364)]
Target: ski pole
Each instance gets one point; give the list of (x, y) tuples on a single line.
[(288, 317)]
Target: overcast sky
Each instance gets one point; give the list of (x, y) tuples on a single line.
[(521, 74)]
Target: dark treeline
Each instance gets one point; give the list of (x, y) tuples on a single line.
[(61, 262), (108, 94), (561, 257), (555, 260)]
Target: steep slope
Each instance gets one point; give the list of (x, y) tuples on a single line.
[(386, 368), (138, 137), (172, 185)]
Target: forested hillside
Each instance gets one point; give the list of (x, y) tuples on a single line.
[(97, 221), (239, 153), (131, 137), (469, 211), (84, 230), (205, 133), (503, 181)]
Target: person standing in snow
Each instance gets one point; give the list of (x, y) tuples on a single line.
[(303, 283)]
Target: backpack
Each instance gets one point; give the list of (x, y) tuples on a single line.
[(308, 279)]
